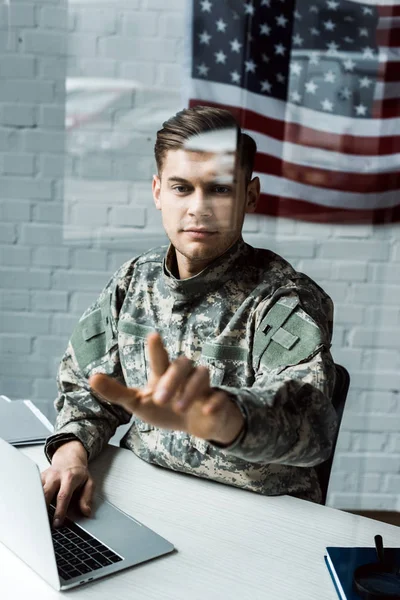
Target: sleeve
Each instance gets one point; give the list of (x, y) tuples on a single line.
[(93, 348), (289, 416)]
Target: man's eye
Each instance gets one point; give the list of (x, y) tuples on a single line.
[(181, 189), (222, 189)]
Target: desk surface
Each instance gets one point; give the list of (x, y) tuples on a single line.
[(231, 544)]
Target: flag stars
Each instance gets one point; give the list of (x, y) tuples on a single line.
[(349, 64), (345, 93), (204, 37), (368, 52), (322, 88), (295, 96), (220, 57), (329, 25), (265, 29), (311, 87), (235, 45), (295, 68), (280, 49), (203, 70), (327, 105), (206, 6), (250, 66), (330, 77), (249, 9), (265, 86), (281, 21), (361, 110), (221, 25), (367, 11), (365, 82), (297, 40), (332, 49)]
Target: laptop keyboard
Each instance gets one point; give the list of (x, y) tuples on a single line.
[(77, 552)]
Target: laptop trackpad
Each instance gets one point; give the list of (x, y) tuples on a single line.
[(131, 539)]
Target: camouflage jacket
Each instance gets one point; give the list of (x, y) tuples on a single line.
[(261, 328)]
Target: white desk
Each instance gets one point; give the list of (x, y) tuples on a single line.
[(231, 544)]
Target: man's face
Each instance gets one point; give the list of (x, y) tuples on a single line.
[(203, 199)]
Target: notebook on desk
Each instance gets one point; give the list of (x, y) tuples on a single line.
[(342, 562), (21, 422)]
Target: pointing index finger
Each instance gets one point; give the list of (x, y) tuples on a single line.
[(158, 356)]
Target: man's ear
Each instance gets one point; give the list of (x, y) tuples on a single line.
[(156, 189), (252, 195)]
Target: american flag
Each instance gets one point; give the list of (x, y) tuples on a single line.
[(316, 83)]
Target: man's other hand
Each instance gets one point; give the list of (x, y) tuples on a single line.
[(178, 396), (67, 474)]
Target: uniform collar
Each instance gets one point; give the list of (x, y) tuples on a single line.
[(212, 277)]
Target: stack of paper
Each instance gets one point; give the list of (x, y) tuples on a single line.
[(22, 423)]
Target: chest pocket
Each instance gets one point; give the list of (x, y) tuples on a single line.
[(221, 360), (93, 336), (216, 371), (286, 336), (132, 349)]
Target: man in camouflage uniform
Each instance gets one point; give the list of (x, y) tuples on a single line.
[(235, 384)]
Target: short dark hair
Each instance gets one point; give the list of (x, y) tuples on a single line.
[(200, 119)]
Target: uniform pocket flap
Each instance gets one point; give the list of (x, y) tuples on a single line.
[(134, 328), (92, 325), (220, 352), (285, 338)]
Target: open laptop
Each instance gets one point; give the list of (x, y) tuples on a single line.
[(83, 549)]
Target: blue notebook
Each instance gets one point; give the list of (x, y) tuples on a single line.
[(342, 562)]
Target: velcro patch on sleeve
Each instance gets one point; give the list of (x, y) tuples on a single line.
[(290, 338), (92, 325), (88, 339), (285, 338)]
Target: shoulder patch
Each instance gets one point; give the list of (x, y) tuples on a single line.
[(286, 336), (93, 336)]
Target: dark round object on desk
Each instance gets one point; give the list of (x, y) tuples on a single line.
[(377, 581)]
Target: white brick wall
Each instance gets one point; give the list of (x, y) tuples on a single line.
[(67, 223)]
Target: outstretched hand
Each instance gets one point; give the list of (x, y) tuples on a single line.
[(178, 396)]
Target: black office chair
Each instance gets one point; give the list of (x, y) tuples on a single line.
[(342, 384)]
